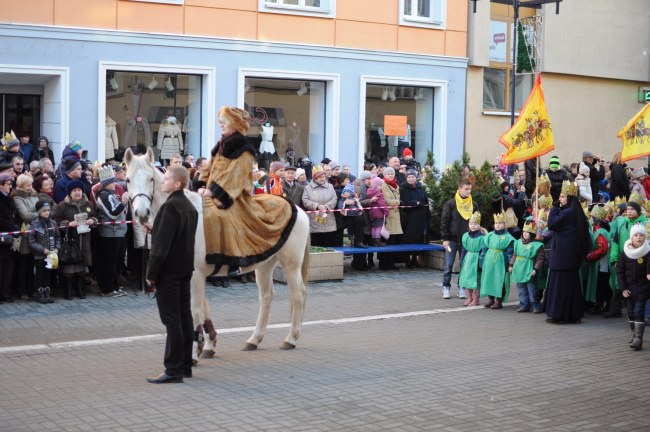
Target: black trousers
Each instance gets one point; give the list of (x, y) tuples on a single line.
[(173, 297), (24, 275), (110, 257), (41, 274), (6, 273)]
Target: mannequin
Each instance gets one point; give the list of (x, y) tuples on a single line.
[(170, 139), (111, 142), (294, 140), (267, 149)]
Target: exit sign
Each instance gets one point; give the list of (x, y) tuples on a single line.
[(644, 94)]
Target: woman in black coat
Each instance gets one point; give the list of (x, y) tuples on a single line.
[(570, 244), (8, 219), (42, 150), (619, 183), (414, 222)]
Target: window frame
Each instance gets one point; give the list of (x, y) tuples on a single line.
[(327, 9), (436, 19)]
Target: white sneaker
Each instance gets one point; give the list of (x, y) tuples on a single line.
[(461, 293), (445, 293)]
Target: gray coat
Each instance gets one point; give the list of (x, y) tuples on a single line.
[(26, 208), (314, 195)]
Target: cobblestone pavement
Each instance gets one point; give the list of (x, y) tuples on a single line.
[(465, 370)]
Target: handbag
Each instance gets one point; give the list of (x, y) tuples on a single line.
[(70, 252), (385, 233), (511, 218)]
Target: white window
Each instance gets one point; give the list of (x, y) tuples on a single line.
[(422, 13), (323, 8)]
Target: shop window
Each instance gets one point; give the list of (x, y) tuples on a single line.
[(413, 106), (287, 118), (428, 13), (325, 8), (496, 89), (145, 109)]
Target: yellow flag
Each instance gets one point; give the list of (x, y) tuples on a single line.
[(531, 136), (636, 136)]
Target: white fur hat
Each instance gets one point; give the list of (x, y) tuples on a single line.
[(637, 228), (584, 169)]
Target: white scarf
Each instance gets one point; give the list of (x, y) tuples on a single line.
[(635, 253)]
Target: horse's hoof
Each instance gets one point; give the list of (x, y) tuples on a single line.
[(194, 362), (208, 354), (287, 346), (249, 347)]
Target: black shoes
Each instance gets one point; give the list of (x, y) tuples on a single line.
[(163, 378), (234, 271)]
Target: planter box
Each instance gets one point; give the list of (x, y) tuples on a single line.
[(323, 266), (436, 260)]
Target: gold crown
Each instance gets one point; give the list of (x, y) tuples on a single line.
[(316, 169), (530, 226), (10, 138), (647, 206), (569, 188), (637, 198), (543, 179), (499, 218), (475, 218), (585, 209), (106, 173), (546, 201), (599, 212)]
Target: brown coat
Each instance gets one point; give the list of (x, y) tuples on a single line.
[(247, 229), (392, 198)]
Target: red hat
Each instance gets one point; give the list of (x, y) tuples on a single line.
[(407, 152)]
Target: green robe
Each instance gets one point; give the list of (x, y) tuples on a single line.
[(495, 277), (592, 268), (468, 277), (524, 263)]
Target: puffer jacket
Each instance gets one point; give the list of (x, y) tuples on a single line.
[(314, 195), (376, 211), (26, 208), (66, 210), (43, 234)]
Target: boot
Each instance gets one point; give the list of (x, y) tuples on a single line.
[(40, 295), (377, 242), (371, 263), (631, 323), (490, 303), (67, 281), (79, 282), (477, 295), (637, 343), (498, 304), (48, 296), (469, 294), (360, 244)]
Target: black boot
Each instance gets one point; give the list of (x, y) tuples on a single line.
[(67, 282), (631, 323), (48, 295), (40, 295), (79, 282), (637, 342)]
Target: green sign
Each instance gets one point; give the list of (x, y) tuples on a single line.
[(644, 95)]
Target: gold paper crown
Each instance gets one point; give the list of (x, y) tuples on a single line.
[(499, 218), (530, 226), (9, 139), (637, 198), (475, 218), (599, 212), (611, 204), (543, 179), (546, 201), (316, 169), (106, 173), (619, 200), (585, 208), (569, 188)]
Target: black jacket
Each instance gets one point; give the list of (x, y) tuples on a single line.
[(557, 178), (172, 238), (414, 224), (8, 218), (452, 224), (631, 275), (595, 176), (619, 184)]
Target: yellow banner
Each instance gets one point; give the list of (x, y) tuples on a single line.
[(531, 136), (636, 136)]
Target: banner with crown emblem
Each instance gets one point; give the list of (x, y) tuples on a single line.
[(636, 136), (531, 136)]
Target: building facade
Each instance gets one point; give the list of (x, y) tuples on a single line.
[(319, 77), (595, 57)]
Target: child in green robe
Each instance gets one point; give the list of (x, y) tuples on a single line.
[(527, 260), (469, 270), (495, 256)]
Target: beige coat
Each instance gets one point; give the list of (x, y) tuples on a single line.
[(392, 199), (314, 195), (26, 208), (111, 143)]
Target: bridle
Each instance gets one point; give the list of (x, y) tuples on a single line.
[(144, 195)]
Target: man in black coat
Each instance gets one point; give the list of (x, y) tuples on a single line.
[(596, 174), (453, 225), (557, 176), (171, 263), (619, 184)]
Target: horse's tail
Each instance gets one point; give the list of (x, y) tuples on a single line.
[(305, 261)]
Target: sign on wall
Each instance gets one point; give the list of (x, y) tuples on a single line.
[(498, 41), (395, 125)]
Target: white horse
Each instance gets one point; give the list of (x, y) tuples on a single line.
[(144, 181)]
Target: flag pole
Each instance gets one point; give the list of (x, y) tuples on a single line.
[(536, 189)]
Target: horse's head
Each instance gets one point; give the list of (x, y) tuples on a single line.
[(140, 179)]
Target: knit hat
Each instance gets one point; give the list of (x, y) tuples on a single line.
[(583, 169), (411, 172), (4, 177), (71, 165), (334, 165), (300, 172), (349, 188), (587, 154), (554, 162), (5, 165), (389, 170), (365, 175), (75, 145), (407, 152), (637, 228), (376, 182), (41, 206), (106, 175), (74, 184), (275, 166), (635, 206), (637, 173)]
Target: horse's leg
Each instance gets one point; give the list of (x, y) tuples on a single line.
[(197, 297), (297, 296), (211, 342), (264, 278)]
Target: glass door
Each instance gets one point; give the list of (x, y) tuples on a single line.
[(21, 113)]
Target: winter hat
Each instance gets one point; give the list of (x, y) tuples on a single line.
[(300, 172), (74, 184), (376, 182), (637, 173), (583, 169), (635, 206), (407, 152), (10, 140), (334, 165), (75, 145), (4, 177), (106, 175), (349, 188), (554, 162), (71, 165), (411, 172), (276, 166), (365, 175), (389, 170), (5, 165), (637, 228), (41, 206), (326, 161)]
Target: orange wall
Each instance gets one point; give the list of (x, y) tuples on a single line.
[(366, 24)]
